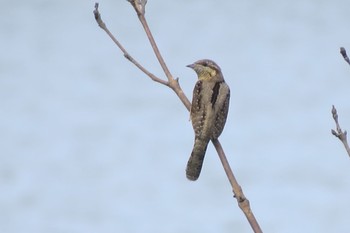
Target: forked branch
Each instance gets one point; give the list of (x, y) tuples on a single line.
[(102, 25), (339, 133), (140, 6)]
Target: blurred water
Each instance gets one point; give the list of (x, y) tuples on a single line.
[(89, 144)]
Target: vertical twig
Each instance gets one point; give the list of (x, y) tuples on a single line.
[(140, 8), (338, 132), (342, 136)]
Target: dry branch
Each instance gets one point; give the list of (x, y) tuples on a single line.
[(342, 136), (140, 6), (339, 133)]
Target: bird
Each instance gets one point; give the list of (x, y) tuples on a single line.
[(208, 113)]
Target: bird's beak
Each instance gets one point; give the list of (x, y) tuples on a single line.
[(191, 66)]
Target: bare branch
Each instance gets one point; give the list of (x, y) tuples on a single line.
[(242, 201), (139, 6), (342, 136), (345, 56), (102, 25)]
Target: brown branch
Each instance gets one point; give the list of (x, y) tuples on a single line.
[(102, 25), (243, 202), (172, 83), (342, 136), (139, 6), (345, 56)]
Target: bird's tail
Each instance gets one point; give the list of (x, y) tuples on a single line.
[(194, 164)]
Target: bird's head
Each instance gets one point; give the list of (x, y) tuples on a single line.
[(207, 70)]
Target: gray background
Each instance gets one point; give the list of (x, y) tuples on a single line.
[(89, 144)]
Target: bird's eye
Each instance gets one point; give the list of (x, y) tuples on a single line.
[(205, 64)]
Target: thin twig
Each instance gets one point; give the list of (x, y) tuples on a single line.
[(345, 56), (139, 6), (102, 25), (342, 136), (339, 132)]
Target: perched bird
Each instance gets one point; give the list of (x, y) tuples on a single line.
[(210, 104)]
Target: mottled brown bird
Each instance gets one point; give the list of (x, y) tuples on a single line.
[(210, 104)]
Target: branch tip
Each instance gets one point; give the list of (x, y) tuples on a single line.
[(139, 6), (345, 56), (96, 13), (343, 52), (334, 113), (98, 18)]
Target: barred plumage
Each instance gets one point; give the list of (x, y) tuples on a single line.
[(210, 104)]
